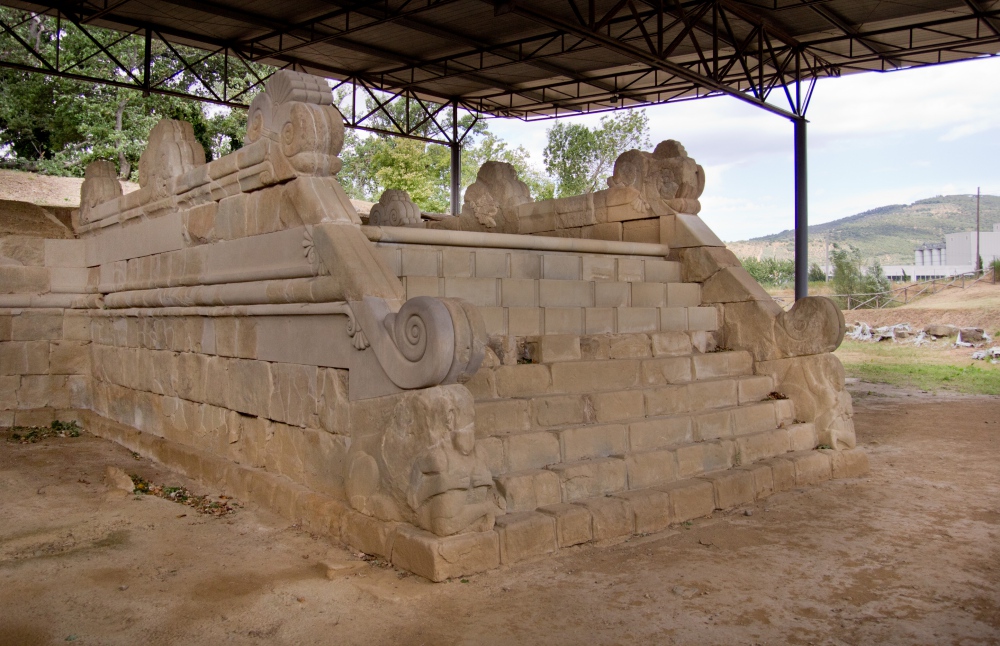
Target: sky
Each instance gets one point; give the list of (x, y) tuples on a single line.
[(873, 139)]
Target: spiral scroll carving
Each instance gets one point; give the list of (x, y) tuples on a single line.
[(429, 341), (394, 209)]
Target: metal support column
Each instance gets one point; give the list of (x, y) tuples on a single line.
[(456, 163), (801, 211)]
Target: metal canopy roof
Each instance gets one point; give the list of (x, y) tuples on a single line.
[(550, 58)]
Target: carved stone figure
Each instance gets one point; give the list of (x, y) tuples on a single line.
[(172, 151), (491, 201), (296, 112), (423, 466), (100, 185), (394, 209), (667, 180), (814, 325)]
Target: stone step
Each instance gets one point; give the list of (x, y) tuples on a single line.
[(546, 293), (557, 412), (459, 262), (543, 449), (536, 484), (532, 533), (553, 348), (584, 377)]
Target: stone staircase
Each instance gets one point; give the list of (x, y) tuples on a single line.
[(616, 414)]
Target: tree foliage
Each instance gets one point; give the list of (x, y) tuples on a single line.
[(852, 277), (57, 126), (581, 158), (770, 272)]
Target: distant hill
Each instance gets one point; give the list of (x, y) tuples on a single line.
[(889, 233)]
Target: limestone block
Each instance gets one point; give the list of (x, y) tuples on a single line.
[(8, 391), (649, 294), (529, 490), (562, 320), (249, 387), (372, 536), (573, 523), (755, 389), (631, 270), (732, 488), (5, 328), (667, 400), (501, 417), (612, 294), (659, 433), (483, 384), (625, 212), (784, 409), (759, 446), (650, 510), (782, 474), (27, 251), (638, 319), (522, 380), (526, 535), (518, 292), (591, 478), (561, 267), (717, 393), (7, 418), (617, 406), (814, 325), (526, 265), (593, 442), (34, 326), (69, 358), (662, 271), (75, 328), (599, 320), (324, 461), (647, 230), (556, 347), (651, 468), (24, 357), (39, 417), (711, 366), (478, 291), (850, 463), (674, 319), (732, 285), (753, 418), (684, 230), (43, 391), (440, 558), (763, 479), (524, 321), (670, 344), (559, 410), (191, 378), (293, 394), (595, 376), (666, 370), (597, 268), (702, 319), (530, 451), (611, 517), (713, 425), (811, 467), (691, 460), (565, 293), (629, 346), (423, 286), (700, 263), (690, 499)]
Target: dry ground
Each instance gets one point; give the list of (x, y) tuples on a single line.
[(908, 555)]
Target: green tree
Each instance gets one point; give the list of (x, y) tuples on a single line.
[(816, 273), (867, 285), (770, 272), (581, 158)]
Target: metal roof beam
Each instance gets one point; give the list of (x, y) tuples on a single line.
[(979, 12), (853, 32)]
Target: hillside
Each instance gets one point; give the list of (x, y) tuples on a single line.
[(888, 232)]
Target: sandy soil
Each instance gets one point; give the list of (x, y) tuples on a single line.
[(908, 555), (45, 190)]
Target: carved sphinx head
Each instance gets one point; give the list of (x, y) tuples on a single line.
[(172, 151), (667, 179), (100, 185), (426, 469)]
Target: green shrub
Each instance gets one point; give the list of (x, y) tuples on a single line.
[(770, 272)]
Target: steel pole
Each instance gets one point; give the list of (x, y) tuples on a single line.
[(801, 211), (456, 162)]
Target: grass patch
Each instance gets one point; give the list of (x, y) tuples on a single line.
[(32, 434), (222, 506), (928, 376)]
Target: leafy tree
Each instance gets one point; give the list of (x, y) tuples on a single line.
[(58, 126), (770, 272), (851, 277), (816, 273), (581, 158)]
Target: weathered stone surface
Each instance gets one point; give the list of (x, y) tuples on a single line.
[(573, 523), (525, 535), (732, 488), (690, 499), (591, 478), (650, 509), (529, 490), (611, 517), (439, 558), (850, 463)]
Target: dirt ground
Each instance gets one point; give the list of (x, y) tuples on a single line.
[(907, 555)]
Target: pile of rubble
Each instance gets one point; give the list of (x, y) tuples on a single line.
[(966, 337)]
